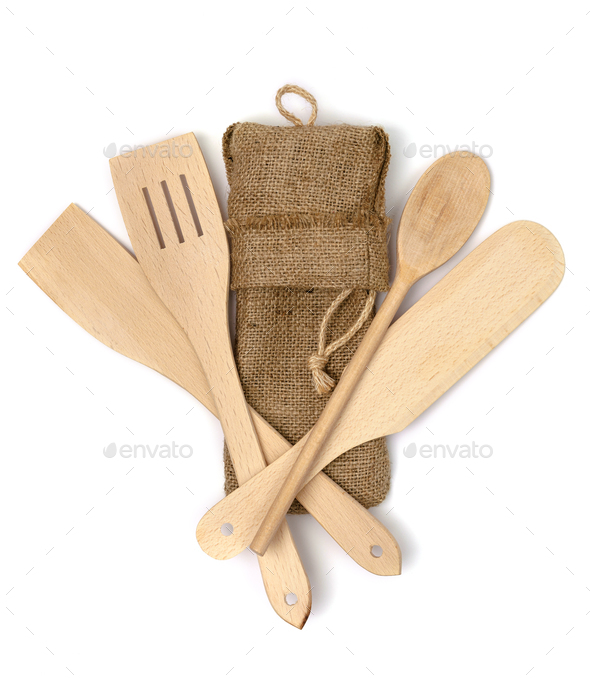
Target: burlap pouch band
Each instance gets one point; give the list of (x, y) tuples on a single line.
[(303, 251), (308, 228)]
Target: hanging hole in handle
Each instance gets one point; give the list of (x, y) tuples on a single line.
[(291, 598), (376, 551), (294, 89), (227, 529)]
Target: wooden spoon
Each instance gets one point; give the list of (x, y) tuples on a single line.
[(440, 215)]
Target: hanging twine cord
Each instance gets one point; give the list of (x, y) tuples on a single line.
[(294, 89), (323, 382)]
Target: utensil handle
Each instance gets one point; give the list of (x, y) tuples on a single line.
[(351, 525), (355, 529), (329, 416), (234, 415), (281, 567)]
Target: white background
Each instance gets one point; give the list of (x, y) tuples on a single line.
[(496, 576)]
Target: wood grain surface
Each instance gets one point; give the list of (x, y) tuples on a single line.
[(441, 213), (453, 326)]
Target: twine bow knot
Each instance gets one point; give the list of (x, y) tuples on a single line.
[(323, 382)]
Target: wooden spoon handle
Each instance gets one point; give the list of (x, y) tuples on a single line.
[(331, 412)]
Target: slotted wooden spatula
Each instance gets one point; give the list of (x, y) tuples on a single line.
[(102, 287), (423, 354), (173, 220)]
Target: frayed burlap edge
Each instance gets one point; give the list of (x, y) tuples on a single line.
[(310, 250)]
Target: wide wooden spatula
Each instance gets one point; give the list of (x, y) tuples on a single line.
[(444, 208), (453, 326), (102, 287), (93, 279)]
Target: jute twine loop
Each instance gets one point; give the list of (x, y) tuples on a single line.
[(323, 382), (294, 89)]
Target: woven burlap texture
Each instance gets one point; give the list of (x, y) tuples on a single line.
[(307, 219)]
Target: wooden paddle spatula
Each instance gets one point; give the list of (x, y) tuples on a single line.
[(440, 215), (423, 354), (102, 287)]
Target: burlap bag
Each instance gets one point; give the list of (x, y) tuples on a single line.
[(307, 221)]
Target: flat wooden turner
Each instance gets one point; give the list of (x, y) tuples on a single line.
[(103, 288), (423, 354)]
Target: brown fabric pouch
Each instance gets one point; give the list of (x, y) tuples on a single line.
[(307, 220)]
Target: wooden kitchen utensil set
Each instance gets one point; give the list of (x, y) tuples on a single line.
[(170, 312)]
